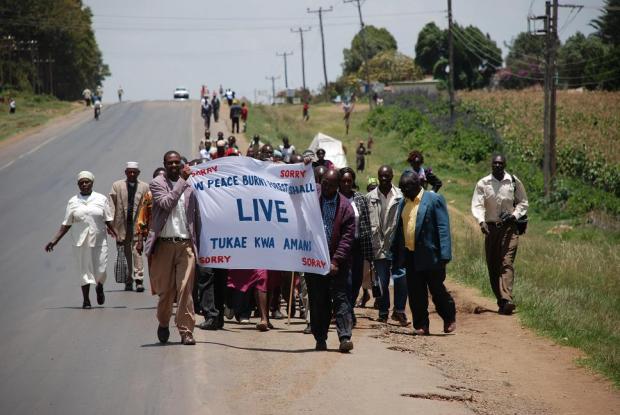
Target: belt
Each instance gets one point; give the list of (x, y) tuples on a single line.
[(174, 239), (498, 224)]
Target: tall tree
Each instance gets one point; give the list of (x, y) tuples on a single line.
[(430, 47), (580, 59), (608, 24), (476, 55), (525, 62), (377, 40), (391, 66), (62, 55)]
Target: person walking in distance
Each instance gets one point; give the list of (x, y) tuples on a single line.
[(328, 293), (383, 204), (87, 94), (244, 117), (120, 93), (306, 111), (125, 198), (215, 103), (499, 200), (423, 245), (205, 111), (347, 108), (172, 246), (235, 115)]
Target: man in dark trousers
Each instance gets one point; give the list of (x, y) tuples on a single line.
[(498, 201), (329, 292), (235, 115), (423, 245), (215, 103)]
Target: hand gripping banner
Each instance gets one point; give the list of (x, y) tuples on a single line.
[(259, 215)]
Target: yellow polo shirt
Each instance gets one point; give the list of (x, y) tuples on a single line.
[(409, 217)]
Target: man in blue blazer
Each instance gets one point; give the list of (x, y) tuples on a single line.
[(422, 245)]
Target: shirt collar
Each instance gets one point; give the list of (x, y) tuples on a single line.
[(332, 200)]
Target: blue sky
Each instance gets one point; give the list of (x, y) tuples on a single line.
[(153, 46)]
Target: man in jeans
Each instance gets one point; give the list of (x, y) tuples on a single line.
[(383, 211)]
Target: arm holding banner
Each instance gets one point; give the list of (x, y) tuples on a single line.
[(162, 197)]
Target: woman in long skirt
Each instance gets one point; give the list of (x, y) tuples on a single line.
[(88, 216)]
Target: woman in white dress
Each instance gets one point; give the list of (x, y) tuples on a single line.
[(88, 215)]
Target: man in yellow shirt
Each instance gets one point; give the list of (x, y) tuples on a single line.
[(423, 245)]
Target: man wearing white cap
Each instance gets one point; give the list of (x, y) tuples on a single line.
[(125, 198)]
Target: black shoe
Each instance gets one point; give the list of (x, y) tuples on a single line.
[(308, 329), (507, 308), (100, 294), (209, 324), (128, 287), (382, 319), (346, 345), (86, 305), (163, 334), (220, 321), (321, 346), (139, 287)]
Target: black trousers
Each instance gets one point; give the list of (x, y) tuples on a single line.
[(210, 291), (329, 294), (356, 275), (419, 283), (235, 121)]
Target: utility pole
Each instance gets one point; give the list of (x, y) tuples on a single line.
[(365, 47), (273, 87), (285, 54), (451, 63), (303, 63), (320, 12)]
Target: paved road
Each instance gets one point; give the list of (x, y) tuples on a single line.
[(59, 359)]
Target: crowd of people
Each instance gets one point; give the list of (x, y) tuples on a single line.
[(395, 232)]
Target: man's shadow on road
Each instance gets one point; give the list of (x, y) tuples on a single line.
[(250, 349)]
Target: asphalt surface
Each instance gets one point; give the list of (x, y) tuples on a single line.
[(56, 358)]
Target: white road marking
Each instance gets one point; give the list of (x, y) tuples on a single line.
[(29, 152)]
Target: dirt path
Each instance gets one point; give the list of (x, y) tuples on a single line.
[(507, 368)]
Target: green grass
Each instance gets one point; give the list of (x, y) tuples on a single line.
[(31, 111), (567, 285)]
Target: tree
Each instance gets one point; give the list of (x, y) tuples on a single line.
[(525, 62), (430, 47), (377, 40), (391, 66), (62, 55), (476, 55), (608, 25), (580, 59)]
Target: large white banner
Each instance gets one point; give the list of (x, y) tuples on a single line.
[(259, 215)]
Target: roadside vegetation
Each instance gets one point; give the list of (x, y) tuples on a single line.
[(32, 111), (567, 268)]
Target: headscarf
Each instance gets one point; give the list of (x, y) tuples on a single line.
[(84, 174)]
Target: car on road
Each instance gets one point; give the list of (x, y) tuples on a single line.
[(181, 93)]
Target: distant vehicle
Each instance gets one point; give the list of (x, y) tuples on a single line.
[(181, 93)]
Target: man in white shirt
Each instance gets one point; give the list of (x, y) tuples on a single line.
[(172, 246), (499, 200)]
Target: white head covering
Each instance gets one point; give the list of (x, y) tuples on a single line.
[(132, 165), (84, 174)]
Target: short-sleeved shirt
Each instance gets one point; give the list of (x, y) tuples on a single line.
[(87, 216)]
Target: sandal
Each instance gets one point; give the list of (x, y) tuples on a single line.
[(262, 326)]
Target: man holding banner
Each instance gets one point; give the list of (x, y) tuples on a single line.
[(330, 292), (171, 246)]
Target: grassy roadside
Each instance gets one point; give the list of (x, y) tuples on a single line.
[(32, 111), (567, 284)]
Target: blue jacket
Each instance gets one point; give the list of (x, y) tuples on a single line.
[(433, 246)]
